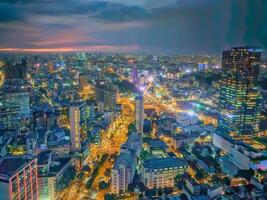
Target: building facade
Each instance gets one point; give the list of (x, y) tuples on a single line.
[(139, 114), (50, 172), (15, 108), (77, 116), (17, 71), (240, 100), (47, 188), (123, 172), (160, 172), (106, 96), (241, 154), (18, 178)]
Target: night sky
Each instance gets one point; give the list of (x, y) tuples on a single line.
[(134, 26)]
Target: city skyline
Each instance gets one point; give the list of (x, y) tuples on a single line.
[(154, 27), (112, 127), (133, 99)]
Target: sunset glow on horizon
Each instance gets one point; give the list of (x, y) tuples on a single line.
[(104, 48)]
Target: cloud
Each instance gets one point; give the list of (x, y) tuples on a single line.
[(156, 26), (9, 13), (105, 11)]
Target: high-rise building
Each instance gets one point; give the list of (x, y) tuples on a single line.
[(77, 115), (139, 113), (99, 95), (18, 178), (83, 82), (106, 96), (135, 75), (15, 108), (125, 165), (17, 71), (240, 99), (123, 172), (15, 98), (81, 59), (1, 73)]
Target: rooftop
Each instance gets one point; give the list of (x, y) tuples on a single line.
[(182, 136), (134, 137), (192, 181), (77, 103), (225, 136), (125, 159), (160, 163), (43, 157), (10, 165), (58, 164), (247, 146), (157, 143)]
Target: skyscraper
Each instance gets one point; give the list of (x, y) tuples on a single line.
[(77, 115), (17, 71), (139, 113), (106, 96), (240, 99), (15, 98), (134, 75), (15, 108)]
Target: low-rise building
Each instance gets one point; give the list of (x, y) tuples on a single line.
[(157, 146), (208, 117), (192, 129), (192, 186), (58, 142), (215, 191), (241, 154), (160, 172), (185, 119), (223, 141), (181, 139)]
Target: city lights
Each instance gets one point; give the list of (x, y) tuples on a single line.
[(133, 100)]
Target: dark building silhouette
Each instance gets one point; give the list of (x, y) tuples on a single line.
[(17, 71), (106, 95)]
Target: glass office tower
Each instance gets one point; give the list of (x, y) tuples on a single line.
[(240, 99)]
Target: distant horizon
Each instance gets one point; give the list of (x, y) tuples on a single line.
[(50, 52), (103, 50)]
